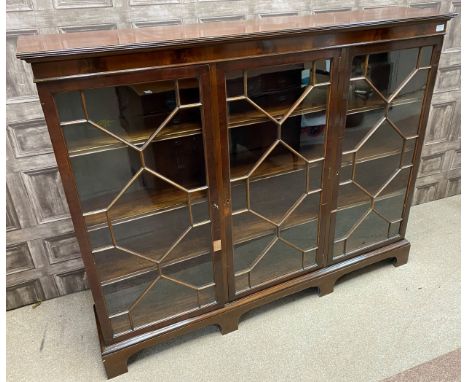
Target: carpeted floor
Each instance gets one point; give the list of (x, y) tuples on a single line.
[(378, 323)]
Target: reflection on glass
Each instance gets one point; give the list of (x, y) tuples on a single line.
[(384, 105), (97, 186), (362, 97), (247, 146), (414, 89), (138, 159), (371, 229), (277, 120), (406, 118), (388, 70), (156, 296), (425, 56), (306, 134), (279, 259), (278, 203), (275, 93), (358, 66), (180, 160), (129, 114), (373, 174)]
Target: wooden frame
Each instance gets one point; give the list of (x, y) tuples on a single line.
[(59, 144), (436, 43), (58, 69), (257, 63)]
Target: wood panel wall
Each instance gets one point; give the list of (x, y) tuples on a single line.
[(42, 254)]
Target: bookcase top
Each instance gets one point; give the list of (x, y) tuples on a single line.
[(33, 47)]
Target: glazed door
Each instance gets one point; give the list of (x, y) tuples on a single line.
[(136, 145), (388, 93), (277, 113)]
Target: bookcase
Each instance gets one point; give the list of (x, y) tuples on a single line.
[(213, 168)]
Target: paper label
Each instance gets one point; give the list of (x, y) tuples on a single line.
[(216, 245), (440, 28)]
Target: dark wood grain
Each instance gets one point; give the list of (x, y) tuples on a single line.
[(59, 145), (208, 53), (115, 357), (97, 64), (437, 48), (31, 47)]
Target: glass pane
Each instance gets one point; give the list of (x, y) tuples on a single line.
[(303, 236), (129, 114), (408, 152), (413, 90), (158, 302), (247, 226), (394, 229), (306, 134), (277, 127), (372, 229), (96, 185), (138, 159), (425, 56), (315, 175), (388, 70), (275, 93), (359, 66), (390, 207), (347, 217), (119, 296), (181, 160), (406, 118), (362, 96), (384, 106), (239, 195), (373, 174), (123, 263), (276, 206), (138, 235), (69, 106), (245, 255), (359, 125), (247, 145), (279, 260)]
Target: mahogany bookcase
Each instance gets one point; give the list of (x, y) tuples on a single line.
[(213, 168)]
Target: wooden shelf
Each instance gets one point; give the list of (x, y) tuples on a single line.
[(165, 300), (163, 200), (87, 147), (378, 103), (375, 153), (260, 228), (164, 86), (272, 272), (246, 230), (140, 204), (358, 197), (278, 165), (247, 226), (253, 116), (357, 200), (115, 265), (107, 142)]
